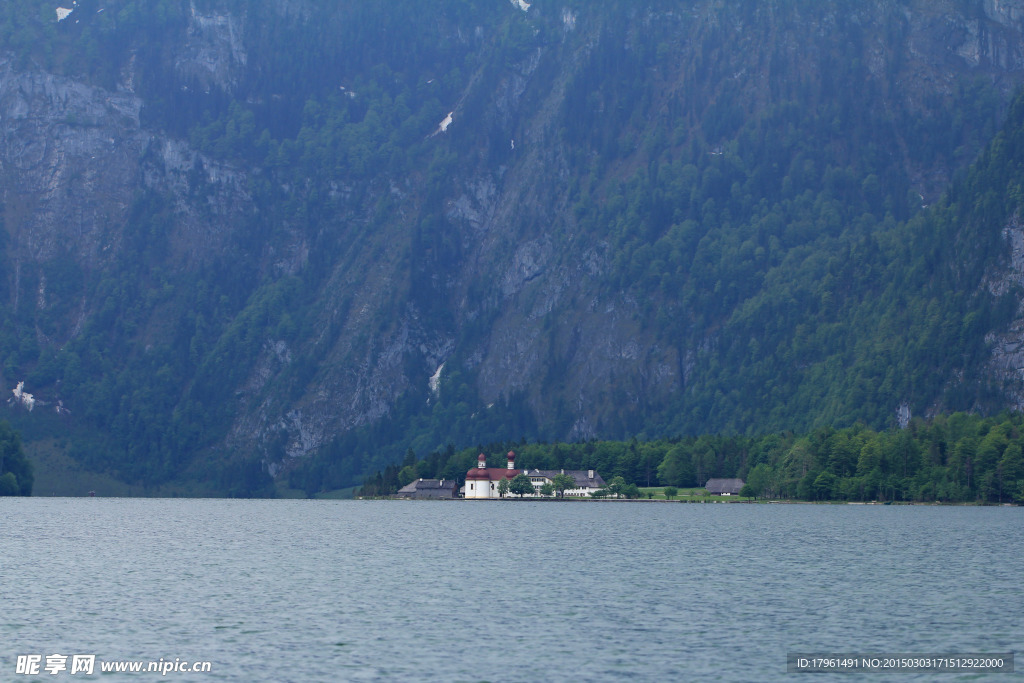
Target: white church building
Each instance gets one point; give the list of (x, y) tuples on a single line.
[(482, 481)]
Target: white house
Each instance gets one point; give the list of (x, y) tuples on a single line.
[(587, 481)]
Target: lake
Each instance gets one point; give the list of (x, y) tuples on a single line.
[(282, 590)]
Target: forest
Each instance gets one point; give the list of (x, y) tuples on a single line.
[(957, 458), (16, 476)]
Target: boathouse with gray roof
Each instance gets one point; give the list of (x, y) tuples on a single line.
[(428, 488)]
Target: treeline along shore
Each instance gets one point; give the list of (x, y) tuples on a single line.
[(957, 458)]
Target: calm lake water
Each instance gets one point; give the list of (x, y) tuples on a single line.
[(502, 591)]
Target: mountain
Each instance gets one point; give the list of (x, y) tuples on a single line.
[(295, 238)]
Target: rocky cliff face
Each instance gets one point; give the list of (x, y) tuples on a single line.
[(75, 159), (1006, 365), (71, 163), (526, 305)]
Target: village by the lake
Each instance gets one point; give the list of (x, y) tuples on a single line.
[(510, 483)]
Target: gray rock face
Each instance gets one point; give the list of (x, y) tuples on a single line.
[(74, 158), (69, 164), (214, 54), (1008, 13), (1007, 346)]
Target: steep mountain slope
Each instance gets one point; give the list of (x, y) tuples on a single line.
[(293, 235)]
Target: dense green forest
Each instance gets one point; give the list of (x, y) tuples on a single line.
[(950, 459), (730, 202), (15, 470)]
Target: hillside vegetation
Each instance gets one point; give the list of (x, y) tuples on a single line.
[(243, 240)]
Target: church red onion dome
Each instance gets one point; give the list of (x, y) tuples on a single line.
[(477, 473)]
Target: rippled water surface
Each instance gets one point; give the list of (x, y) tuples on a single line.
[(502, 591)]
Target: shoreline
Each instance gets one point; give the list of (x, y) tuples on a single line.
[(696, 502)]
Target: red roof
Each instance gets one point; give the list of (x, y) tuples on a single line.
[(491, 473)]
